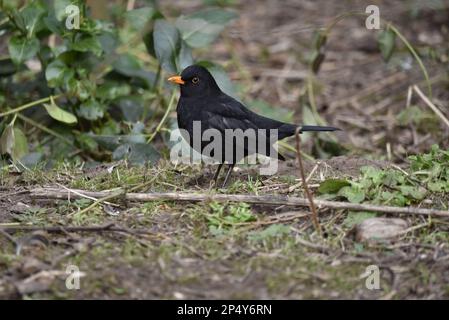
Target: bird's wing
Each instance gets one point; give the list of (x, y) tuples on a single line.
[(228, 113)]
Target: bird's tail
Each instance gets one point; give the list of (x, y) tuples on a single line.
[(318, 128)]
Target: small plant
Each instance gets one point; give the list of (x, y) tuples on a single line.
[(226, 217), (428, 173)]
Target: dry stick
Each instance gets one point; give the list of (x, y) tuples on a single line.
[(107, 197), (431, 105), (53, 193), (304, 183)]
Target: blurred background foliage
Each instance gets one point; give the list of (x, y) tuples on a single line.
[(103, 84), (99, 93)]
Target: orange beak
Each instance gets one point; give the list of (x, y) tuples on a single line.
[(176, 79)]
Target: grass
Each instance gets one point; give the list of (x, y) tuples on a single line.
[(220, 248)]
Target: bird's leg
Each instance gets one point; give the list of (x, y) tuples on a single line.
[(217, 173), (228, 174)]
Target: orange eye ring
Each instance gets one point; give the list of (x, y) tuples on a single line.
[(195, 80)]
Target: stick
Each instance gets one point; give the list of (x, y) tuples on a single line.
[(315, 221), (53, 193), (431, 105)]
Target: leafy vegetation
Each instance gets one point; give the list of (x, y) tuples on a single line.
[(104, 80), (428, 174)]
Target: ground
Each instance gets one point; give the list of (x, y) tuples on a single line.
[(209, 250), (178, 250)]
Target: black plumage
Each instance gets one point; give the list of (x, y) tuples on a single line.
[(202, 100)]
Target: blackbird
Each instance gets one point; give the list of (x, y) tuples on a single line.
[(202, 100)]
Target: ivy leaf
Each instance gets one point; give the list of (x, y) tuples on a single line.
[(31, 18), (185, 57), (59, 114), (20, 145), (387, 43), (111, 90), (60, 7), (202, 28), (88, 43), (166, 45), (22, 49), (91, 110), (138, 18), (332, 185), (13, 142), (131, 107), (136, 153), (57, 73), (129, 66)]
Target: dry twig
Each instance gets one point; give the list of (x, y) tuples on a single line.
[(53, 193)]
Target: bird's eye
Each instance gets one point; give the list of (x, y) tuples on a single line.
[(195, 80)]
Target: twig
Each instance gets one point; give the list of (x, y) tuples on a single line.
[(53, 193), (304, 182), (104, 199), (29, 105), (431, 105)]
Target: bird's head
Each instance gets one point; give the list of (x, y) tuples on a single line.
[(196, 81)]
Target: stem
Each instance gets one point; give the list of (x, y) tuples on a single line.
[(29, 105), (43, 128), (167, 112), (315, 221), (416, 56)]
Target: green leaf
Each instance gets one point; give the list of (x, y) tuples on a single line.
[(22, 49), (88, 43), (185, 57), (13, 142), (60, 7), (352, 194), (387, 42), (136, 153), (128, 65), (31, 18), (166, 45), (20, 145), (131, 107), (91, 110), (111, 90), (332, 185), (438, 186), (138, 18), (57, 74), (417, 193), (59, 114), (202, 28)]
